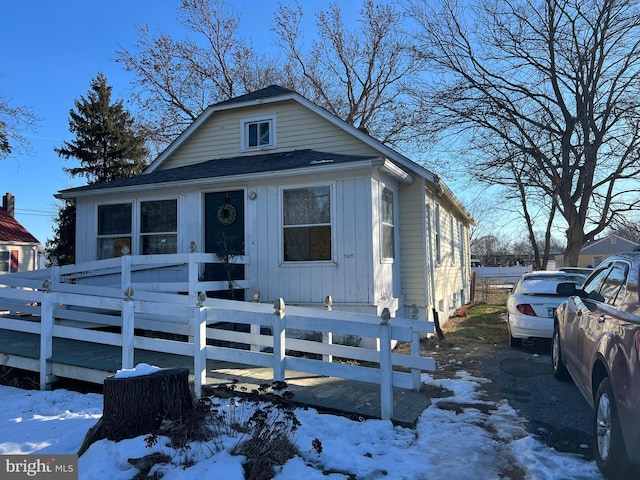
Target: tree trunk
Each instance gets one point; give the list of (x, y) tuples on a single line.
[(137, 405)]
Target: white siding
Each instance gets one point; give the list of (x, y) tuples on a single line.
[(348, 279), (27, 255)]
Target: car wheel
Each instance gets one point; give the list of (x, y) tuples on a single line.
[(513, 342), (609, 450), (557, 361)]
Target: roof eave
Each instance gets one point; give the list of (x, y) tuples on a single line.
[(236, 179)]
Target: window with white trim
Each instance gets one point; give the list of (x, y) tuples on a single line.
[(114, 229), (387, 225), (258, 132), (5, 260), (452, 240), (159, 227), (436, 221), (306, 228)]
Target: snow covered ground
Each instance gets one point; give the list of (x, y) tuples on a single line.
[(487, 442)]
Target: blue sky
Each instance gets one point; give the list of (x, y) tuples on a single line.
[(51, 51)]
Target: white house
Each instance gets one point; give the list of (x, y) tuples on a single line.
[(312, 206), (18, 248)]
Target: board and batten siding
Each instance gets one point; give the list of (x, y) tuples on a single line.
[(347, 280), (296, 127)]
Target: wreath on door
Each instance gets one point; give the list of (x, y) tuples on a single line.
[(227, 214)]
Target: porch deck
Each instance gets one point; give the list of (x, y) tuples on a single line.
[(93, 362)]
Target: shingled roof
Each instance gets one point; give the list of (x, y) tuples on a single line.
[(12, 231), (267, 92), (242, 165)]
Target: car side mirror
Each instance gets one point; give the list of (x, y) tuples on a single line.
[(569, 289)]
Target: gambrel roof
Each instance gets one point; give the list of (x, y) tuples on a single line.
[(248, 164)]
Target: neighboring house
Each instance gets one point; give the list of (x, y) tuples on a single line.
[(18, 248), (593, 253), (315, 206)]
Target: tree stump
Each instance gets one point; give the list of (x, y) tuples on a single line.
[(138, 405)]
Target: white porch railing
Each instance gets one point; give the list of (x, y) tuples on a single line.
[(123, 271), (190, 327)]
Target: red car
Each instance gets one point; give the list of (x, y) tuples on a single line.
[(596, 342)]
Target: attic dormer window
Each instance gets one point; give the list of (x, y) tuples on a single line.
[(258, 132)]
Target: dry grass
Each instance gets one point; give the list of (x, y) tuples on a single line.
[(483, 323), (467, 340)]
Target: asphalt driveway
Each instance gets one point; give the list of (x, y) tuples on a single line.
[(555, 411)]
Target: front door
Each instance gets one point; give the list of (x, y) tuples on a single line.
[(224, 236)]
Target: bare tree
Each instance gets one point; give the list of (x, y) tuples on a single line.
[(15, 121), (627, 227), (490, 249), (176, 79), (361, 74), (555, 81)]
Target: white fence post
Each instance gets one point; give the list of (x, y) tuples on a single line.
[(327, 337), (46, 335), (125, 275), (416, 373), (386, 369), (415, 349), (254, 329), (128, 329), (199, 345), (279, 332), (194, 270)]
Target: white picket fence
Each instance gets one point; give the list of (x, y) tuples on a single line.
[(182, 324)]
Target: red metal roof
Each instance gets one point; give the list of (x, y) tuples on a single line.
[(12, 231)]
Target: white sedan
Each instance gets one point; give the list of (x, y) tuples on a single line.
[(533, 302)]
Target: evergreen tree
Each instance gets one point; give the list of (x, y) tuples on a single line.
[(107, 146), (62, 247)]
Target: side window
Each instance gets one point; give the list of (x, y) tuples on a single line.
[(258, 132), (159, 227), (613, 287), (4, 261), (437, 234), (307, 224), (114, 229), (388, 249), (594, 283)]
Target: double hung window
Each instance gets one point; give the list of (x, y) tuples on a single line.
[(114, 229), (159, 227), (155, 228), (5, 261), (307, 224), (388, 230)]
